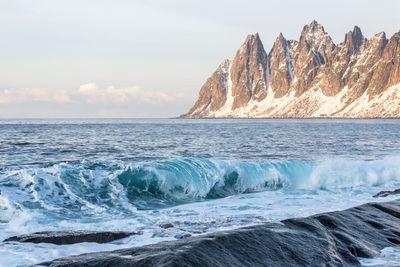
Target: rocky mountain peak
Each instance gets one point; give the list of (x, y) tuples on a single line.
[(280, 38), (311, 77), (224, 66), (396, 35), (251, 49), (314, 26), (251, 41), (249, 72), (354, 40), (386, 70), (313, 34), (378, 42), (379, 35), (315, 48), (280, 42), (281, 67)]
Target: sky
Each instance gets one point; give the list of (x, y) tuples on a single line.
[(130, 59)]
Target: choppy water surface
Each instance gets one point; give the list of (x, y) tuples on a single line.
[(200, 175)]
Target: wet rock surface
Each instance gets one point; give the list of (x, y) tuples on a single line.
[(327, 239), (181, 236), (387, 193), (70, 237), (166, 225)]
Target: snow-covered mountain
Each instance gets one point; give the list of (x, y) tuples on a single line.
[(312, 77)]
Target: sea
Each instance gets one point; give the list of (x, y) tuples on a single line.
[(200, 175)]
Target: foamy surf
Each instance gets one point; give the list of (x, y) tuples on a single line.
[(119, 187), (195, 195)]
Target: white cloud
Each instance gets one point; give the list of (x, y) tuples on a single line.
[(62, 97), (87, 93), (87, 89), (90, 100), (24, 95), (122, 96)]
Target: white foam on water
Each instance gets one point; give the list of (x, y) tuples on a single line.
[(194, 218), (389, 256), (36, 200)]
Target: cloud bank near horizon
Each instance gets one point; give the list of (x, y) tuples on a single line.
[(88, 100), (123, 95)]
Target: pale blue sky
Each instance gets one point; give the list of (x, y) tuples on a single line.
[(119, 58)]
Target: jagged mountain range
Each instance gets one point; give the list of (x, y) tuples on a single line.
[(312, 77)]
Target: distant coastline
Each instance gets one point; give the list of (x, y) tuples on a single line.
[(309, 78)]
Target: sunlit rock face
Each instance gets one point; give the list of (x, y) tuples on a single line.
[(311, 77)]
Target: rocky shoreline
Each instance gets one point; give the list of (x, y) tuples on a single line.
[(328, 239)]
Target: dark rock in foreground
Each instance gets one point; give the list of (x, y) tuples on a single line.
[(387, 193), (327, 239), (70, 237), (166, 225), (181, 236)]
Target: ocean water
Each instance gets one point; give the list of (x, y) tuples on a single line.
[(200, 175)]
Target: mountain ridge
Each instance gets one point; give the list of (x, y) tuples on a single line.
[(308, 78)]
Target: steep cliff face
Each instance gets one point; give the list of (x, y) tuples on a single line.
[(249, 72), (213, 93), (312, 77), (281, 66)]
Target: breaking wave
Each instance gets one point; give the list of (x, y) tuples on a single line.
[(116, 187)]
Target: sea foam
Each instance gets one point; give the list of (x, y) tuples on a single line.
[(97, 187)]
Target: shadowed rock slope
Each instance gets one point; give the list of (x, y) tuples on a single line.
[(311, 77), (327, 239)]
